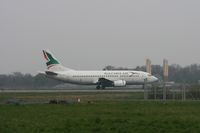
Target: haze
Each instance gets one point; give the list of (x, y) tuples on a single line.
[(90, 34)]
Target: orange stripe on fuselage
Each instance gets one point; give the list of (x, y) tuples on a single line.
[(45, 56)]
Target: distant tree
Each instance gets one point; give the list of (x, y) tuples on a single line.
[(140, 68), (19, 80), (3, 80), (109, 67), (41, 80)]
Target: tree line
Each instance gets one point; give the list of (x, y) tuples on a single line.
[(19, 80), (188, 74)]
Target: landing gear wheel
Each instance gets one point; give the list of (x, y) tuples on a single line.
[(103, 87), (98, 87)]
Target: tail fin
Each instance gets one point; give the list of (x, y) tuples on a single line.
[(52, 63), (51, 60)]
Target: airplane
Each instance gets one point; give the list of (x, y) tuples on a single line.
[(101, 79)]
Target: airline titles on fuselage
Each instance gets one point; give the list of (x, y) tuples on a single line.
[(111, 74)]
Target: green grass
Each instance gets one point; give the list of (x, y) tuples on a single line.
[(102, 117), (85, 97)]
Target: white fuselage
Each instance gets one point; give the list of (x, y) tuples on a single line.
[(100, 78), (92, 77)]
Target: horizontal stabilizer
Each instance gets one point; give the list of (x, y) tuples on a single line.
[(51, 73)]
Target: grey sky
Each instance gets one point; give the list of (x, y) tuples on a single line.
[(89, 34)]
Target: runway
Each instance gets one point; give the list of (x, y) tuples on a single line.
[(71, 91)]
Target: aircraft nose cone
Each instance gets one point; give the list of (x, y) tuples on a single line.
[(154, 79)]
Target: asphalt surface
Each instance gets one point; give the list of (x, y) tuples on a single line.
[(75, 90)]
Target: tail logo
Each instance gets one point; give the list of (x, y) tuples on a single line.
[(50, 59)]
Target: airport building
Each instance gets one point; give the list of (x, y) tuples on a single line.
[(148, 66)]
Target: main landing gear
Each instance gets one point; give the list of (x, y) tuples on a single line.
[(100, 87)]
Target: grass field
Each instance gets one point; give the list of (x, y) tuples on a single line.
[(101, 116), (69, 96)]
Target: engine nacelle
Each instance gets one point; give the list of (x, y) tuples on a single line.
[(119, 83)]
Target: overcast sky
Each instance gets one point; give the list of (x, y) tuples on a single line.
[(90, 34)]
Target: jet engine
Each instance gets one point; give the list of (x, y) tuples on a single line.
[(119, 83)]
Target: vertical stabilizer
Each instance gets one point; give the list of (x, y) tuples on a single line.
[(52, 63)]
